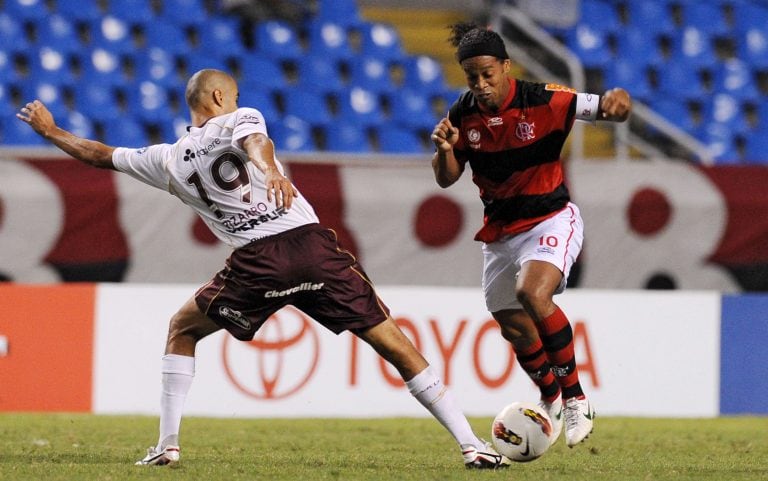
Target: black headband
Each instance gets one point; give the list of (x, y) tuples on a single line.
[(494, 49)]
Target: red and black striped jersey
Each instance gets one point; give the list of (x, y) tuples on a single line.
[(514, 154)]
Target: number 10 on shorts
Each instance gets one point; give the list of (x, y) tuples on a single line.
[(548, 240)]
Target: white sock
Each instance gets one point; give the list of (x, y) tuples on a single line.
[(430, 391), (178, 372)]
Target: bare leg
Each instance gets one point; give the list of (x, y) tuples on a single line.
[(390, 343), (187, 327)]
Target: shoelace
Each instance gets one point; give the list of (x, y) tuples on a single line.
[(572, 412)]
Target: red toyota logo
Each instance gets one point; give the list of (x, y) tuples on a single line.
[(280, 359)]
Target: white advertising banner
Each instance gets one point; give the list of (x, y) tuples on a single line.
[(639, 353)]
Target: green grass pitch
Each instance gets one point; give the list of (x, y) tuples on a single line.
[(51, 447)]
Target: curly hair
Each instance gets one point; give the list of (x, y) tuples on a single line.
[(471, 39)]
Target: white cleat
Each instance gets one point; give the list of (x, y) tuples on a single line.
[(167, 456), (579, 416), (484, 458), (555, 412)]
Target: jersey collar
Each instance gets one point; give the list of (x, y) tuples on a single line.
[(507, 100)]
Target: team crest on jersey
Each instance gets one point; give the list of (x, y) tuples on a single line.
[(559, 88), (473, 135), (494, 121), (524, 131)]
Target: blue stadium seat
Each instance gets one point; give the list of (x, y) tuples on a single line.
[(262, 101), (27, 10), (52, 65), (396, 140), (8, 73), (172, 131), (125, 132), (292, 134), (78, 124), (12, 37), (412, 109), (193, 63), (278, 40), (186, 13), (752, 46), (680, 80), (329, 40), (59, 32), (652, 17), (101, 65), (221, 37), (308, 106), (380, 40), (371, 73), (17, 134), (695, 47), (726, 110), (360, 106), (7, 109), (675, 112), (159, 66), (707, 16), (590, 44), (112, 34), (170, 37), (261, 73), (346, 137), (749, 15), (51, 94), (640, 46), (424, 73), (762, 115), (721, 142), (736, 78), (148, 103), (600, 14), (344, 12), (629, 74), (135, 12), (86, 11), (320, 74), (97, 101), (756, 148)]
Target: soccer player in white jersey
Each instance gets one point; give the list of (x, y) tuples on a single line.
[(225, 169)]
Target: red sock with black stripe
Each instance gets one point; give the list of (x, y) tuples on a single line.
[(557, 336), (534, 362)]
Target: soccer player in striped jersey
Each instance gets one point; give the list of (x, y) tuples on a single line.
[(511, 133)]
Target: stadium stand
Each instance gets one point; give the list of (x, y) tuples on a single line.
[(95, 62), (339, 78)]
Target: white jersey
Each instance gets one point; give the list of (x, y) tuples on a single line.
[(209, 171)]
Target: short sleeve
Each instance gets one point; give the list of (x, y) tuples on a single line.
[(147, 164), (564, 107), (247, 121)]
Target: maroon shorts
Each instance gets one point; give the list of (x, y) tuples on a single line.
[(303, 267)]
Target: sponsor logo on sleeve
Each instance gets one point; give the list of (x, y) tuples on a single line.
[(559, 88)]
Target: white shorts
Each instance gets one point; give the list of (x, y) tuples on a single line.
[(557, 240)]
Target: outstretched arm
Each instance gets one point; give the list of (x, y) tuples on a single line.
[(615, 105), (444, 163), (90, 152), (261, 151)]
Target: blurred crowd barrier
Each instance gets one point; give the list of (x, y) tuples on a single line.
[(648, 224)]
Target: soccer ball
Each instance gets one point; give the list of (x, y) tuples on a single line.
[(522, 432)]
